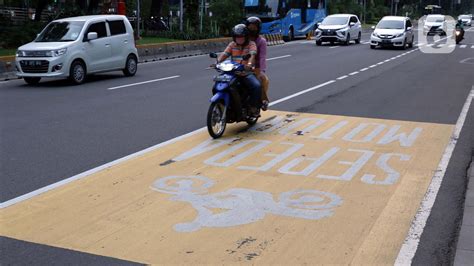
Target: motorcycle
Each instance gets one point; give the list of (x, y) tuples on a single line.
[(458, 35), (230, 100)]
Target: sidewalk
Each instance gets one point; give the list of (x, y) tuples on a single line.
[(465, 247)]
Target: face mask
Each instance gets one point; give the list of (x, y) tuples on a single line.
[(253, 33), (240, 40)]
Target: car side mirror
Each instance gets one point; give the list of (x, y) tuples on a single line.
[(213, 55), (373, 27), (352, 24), (91, 36)]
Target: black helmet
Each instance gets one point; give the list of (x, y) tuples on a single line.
[(256, 21), (240, 30)]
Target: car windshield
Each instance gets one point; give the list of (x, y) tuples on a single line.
[(61, 32), (390, 24), (434, 19), (464, 17), (335, 21)]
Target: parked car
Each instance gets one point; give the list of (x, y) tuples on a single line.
[(466, 20), (341, 28), (435, 24), (393, 31), (77, 46)]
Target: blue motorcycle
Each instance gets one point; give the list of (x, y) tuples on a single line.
[(230, 100)]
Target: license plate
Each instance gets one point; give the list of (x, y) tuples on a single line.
[(33, 63), (386, 41)]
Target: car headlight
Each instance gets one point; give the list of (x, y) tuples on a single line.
[(20, 53), (399, 35), (56, 53), (375, 35)]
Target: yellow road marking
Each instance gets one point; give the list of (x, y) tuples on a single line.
[(296, 188)]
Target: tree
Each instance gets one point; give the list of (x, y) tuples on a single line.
[(226, 13), (156, 8), (40, 5)]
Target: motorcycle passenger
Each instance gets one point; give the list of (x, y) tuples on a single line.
[(254, 25), (237, 49)]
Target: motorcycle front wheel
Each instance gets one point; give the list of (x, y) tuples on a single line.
[(216, 119)]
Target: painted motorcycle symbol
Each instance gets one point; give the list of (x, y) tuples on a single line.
[(240, 206)]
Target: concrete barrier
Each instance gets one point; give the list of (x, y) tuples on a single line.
[(161, 51)]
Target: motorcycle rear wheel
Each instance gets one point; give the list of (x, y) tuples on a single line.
[(216, 119)]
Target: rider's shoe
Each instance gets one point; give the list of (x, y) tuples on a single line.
[(264, 105)]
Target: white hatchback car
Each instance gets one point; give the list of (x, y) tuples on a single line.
[(77, 46), (339, 28), (393, 31)]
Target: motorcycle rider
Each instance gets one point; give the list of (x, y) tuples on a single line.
[(460, 27), (237, 49), (254, 25)]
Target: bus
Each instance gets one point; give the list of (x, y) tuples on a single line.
[(291, 18)]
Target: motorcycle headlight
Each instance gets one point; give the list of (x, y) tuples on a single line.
[(56, 53), (458, 33)]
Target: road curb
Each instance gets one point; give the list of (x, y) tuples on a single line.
[(465, 245)]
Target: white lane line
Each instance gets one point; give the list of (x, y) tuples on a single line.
[(305, 42), (364, 69), (430, 44), (463, 46), (342, 77), (409, 247), (380, 63), (301, 92), (365, 42), (332, 47), (372, 66), (144, 82), (388, 60), (278, 57), (472, 47), (354, 73)]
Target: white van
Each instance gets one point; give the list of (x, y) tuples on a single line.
[(77, 46)]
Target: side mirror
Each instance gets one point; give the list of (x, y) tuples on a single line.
[(373, 27), (352, 24), (246, 57), (91, 36), (213, 55)]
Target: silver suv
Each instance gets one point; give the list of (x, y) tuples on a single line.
[(341, 28)]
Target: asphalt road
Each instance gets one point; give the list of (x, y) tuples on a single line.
[(53, 131)]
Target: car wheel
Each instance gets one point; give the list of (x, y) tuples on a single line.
[(372, 46), (348, 39), (77, 73), (319, 43), (358, 38), (410, 45), (130, 66), (32, 80), (404, 46)]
